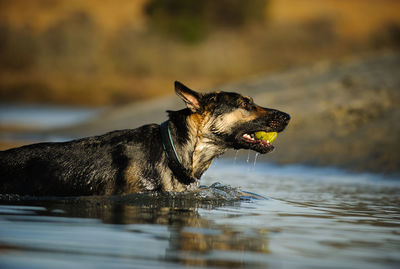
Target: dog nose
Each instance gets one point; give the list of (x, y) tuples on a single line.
[(286, 118), (283, 117), (279, 116)]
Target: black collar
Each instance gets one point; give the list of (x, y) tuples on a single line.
[(174, 162)]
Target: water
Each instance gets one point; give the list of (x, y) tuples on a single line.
[(313, 218), (44, 116), (35, 118), (255, 158)]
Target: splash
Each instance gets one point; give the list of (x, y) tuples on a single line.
[(255, 159), (236, 154), (218, 192), (248, 156)]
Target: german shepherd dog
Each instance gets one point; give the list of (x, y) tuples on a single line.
[(167, 157)]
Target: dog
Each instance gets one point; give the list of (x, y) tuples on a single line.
[(167, 157)]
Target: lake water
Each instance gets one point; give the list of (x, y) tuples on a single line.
[(31, 120), (311, 218), (44, 116)]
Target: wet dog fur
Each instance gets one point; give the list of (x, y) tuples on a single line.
[(131, 161)]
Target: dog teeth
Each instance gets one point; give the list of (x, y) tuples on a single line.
[(247, 136)]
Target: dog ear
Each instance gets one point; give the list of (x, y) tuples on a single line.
[(191, 98)]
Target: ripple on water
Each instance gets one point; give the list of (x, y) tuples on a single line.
[(312, 219)]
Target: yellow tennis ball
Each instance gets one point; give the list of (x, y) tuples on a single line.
[(270, 136)]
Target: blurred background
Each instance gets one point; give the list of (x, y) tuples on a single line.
[(333, 65)]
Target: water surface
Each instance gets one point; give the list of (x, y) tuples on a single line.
[(29, 123), (312, 218), (44, 116)]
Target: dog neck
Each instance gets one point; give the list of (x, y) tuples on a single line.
[(183, 174), (194, 148)]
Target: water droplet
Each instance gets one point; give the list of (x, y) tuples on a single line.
[(236, 154), (255, 159)]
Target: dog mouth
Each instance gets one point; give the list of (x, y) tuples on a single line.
[(259, 141)]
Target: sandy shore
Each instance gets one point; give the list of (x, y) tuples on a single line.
[(344, 114)]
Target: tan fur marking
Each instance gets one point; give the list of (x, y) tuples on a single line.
[(226, 121), (197, 119), (198, 125), (132, 178), (260, 111)]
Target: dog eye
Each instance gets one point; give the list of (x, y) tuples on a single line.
[(245, 105)]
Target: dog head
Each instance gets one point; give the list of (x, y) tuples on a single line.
[(230, 120)]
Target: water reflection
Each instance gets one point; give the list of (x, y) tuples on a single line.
[(168, 229), (313, 219)]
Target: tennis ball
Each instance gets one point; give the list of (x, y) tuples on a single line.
[(270, 136)]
